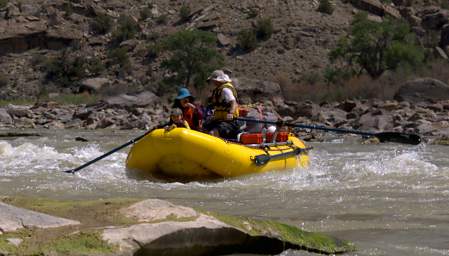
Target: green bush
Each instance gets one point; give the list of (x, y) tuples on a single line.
[(264, 29), (311, 77), (67, 8), (252, 13), (376, 47), (184, 12), (444, 4), (326, 7), (127, 29), (153, 51), (120, 56), (145, 13), (66, 70), (95, 66), (247, 39), (3, 80), (334, 75), (192, 56), (162, 19), (3, 3), (101, 24)]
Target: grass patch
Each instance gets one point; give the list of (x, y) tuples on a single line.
[(3, 3), (17, 102), (309, 240), (83, 243), (91, 214), (54, 242), (83, 239)]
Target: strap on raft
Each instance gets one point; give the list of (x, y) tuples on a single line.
[(265, 158)]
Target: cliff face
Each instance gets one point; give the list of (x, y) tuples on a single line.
[(31, 31)]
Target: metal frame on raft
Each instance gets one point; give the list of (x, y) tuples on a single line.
[(265, 158)]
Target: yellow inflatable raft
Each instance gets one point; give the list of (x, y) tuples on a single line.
[(184, 154)]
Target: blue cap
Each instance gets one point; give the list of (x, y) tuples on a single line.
[(183, 93)]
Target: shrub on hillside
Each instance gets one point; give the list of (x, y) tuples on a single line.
[(325, 6), (264, 29), (67, 8), (184, 12), (66, 70), (444, 4), (333, 75), (252, 13), (95, 66), (119, 56), (192, 56), (3, 80), (146, 13), (376, 47), (162, 19), (101, 24), (247, 39), (311, 77), (3, 3), (127, 29), (153, 51)]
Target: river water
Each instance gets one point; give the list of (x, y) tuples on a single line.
[(388, 199)]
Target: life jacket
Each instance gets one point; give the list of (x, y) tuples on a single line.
[(221, 107), (183, 124), (193, 116)]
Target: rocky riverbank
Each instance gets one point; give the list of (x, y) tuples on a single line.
[(429, 119), (149, 227)]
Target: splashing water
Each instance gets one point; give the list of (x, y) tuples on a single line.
[(332, 166)]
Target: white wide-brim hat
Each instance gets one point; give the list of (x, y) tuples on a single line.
[(219, 76)]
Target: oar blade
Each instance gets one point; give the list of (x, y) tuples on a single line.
[(405, 138)]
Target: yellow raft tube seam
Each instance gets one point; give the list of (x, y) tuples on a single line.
[(188, 154)]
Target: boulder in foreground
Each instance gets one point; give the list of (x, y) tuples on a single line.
[(156, 227)]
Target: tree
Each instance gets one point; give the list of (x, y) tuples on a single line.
[(376, 47), (193, 56)]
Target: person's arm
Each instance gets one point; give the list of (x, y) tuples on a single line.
[(229, 97), (199, 116), (234, 107)]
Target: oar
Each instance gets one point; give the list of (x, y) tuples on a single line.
[(398, 137), (108, 153)]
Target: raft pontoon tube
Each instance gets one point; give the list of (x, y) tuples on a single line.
[(191, 155)]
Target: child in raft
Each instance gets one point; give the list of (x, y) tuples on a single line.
[(176, 121)]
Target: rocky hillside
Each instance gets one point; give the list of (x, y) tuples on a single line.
[(36, 33)]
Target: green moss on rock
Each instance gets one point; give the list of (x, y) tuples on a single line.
[(310, 241), (91, 213), (84, 243)]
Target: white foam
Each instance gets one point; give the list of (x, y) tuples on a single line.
[(342, 169)]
